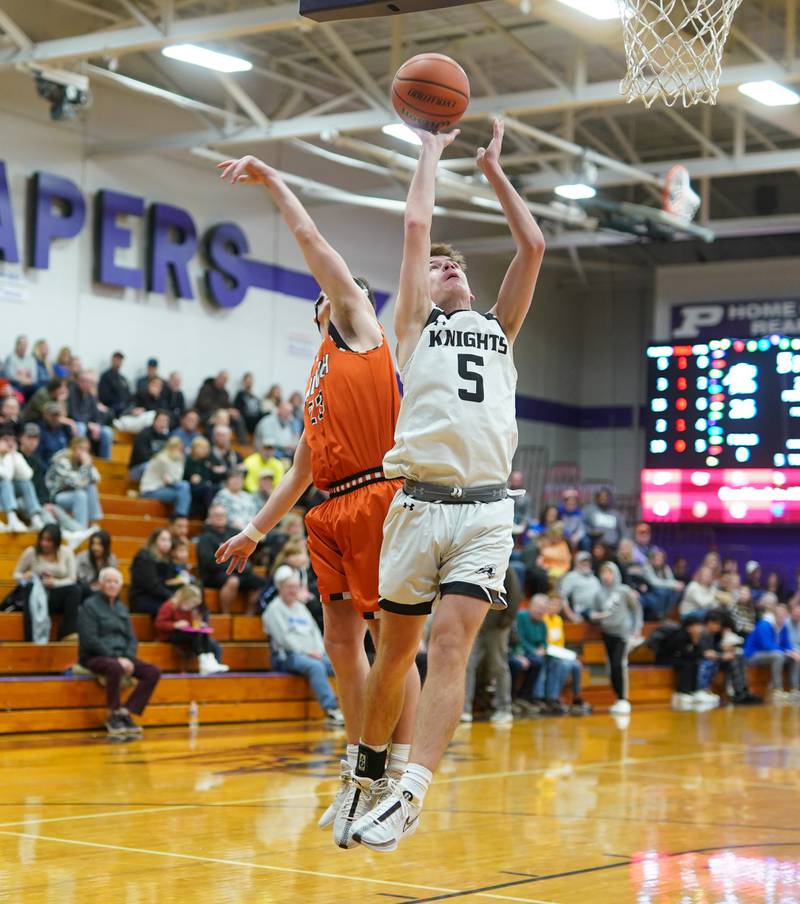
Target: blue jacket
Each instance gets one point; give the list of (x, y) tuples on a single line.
[(52, 441), (765, 639)]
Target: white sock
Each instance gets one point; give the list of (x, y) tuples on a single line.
[(398, 759), (352, 755), (417, 780)]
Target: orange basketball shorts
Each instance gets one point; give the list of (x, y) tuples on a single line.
[(344, 541)]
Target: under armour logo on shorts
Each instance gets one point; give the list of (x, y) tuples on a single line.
[(409, 506), (489, 570)]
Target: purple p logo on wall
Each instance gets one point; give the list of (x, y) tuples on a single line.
[(57, 212)]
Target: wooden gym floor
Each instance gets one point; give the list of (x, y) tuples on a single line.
[(677, 807)]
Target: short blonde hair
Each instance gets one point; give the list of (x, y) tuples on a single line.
[(188, 594), (441, 249), (201, 442)]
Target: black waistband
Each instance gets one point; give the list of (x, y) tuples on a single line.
[(432, 492)]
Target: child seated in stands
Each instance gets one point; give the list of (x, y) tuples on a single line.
[(183, 621), (180, 561), (722, 651)]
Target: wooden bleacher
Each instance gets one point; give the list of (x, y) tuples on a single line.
[(36, 695)]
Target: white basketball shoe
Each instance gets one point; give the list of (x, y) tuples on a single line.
[(394, 817), (360, 795)]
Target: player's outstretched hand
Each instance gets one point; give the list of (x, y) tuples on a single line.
[(437, 141), (489, 157), (247, 170), (238, 549)]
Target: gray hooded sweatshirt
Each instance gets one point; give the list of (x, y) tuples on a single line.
[(618, 602)]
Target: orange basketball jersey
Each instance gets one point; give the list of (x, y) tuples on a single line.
[(351, 408)]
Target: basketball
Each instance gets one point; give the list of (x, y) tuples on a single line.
[(431, 92)]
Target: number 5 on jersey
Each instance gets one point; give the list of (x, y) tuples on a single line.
[(475, 393)]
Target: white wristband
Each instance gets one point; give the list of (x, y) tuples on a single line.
[(253, 533)]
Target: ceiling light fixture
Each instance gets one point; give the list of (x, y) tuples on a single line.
[(770, 93), (208, 59), (401, 131), (597, 9)]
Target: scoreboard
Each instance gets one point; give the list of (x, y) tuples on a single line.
[(723, 431)]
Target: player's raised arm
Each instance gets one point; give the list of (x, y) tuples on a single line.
[(413, 297), (295, 482), (516, 292), (325, 263)]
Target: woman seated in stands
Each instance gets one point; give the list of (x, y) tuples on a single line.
[(701, 594), (93, 560), (555, 553), (108, 647), (72, 482), (163, 478), (16, 481), (197, 472), (54, 565), (183, 620), (153, 579)]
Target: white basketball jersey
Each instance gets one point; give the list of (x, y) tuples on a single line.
[(457, 424)]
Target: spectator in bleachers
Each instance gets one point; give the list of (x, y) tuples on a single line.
[(642, 543), (296, 401), (685, 655), (492, 644), (730, 566), (20, 367), (713, 561), (631, 570), (177, 401), (72, 482), (570, 666), (680, 569), (247, 403), (55, 390), (151, 373), (263, 459), (75, 367), (743, 611), (214, 395), (188, 428), (600, 555), (296, 642), (240, 506), (793, 624), (114, 391), (720, 654), (555, 552), (92, 561), (54, 434), (770, 645), (619, 615), (215, 532), (182, 621), (179, 557), (10, 414), (700, 594), (773, 583), (54, 565), (162, 478), (540, 687), (571, 516), (44, 369), (179, 528), (16, 479), (224, 458), (664, 591), (201, 478), (753, 578), (523, 503), (148, 443), (295, 555), (727, 590), (273, 398), (89, 414), (580, 586), (266, 485), (278, 430), (51, 513), (547, 518), (604, 522), (108, 647), (153, 396), (152, 576), (62, 362)]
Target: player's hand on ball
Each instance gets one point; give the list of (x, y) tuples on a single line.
[(489, 157), (238, 549), (247, 170), (437, 141)]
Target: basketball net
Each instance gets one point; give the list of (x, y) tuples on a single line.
[(674, 49)]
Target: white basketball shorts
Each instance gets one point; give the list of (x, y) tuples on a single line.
[(432, 548)]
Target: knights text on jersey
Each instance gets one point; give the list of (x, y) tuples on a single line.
[(457, 422)]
